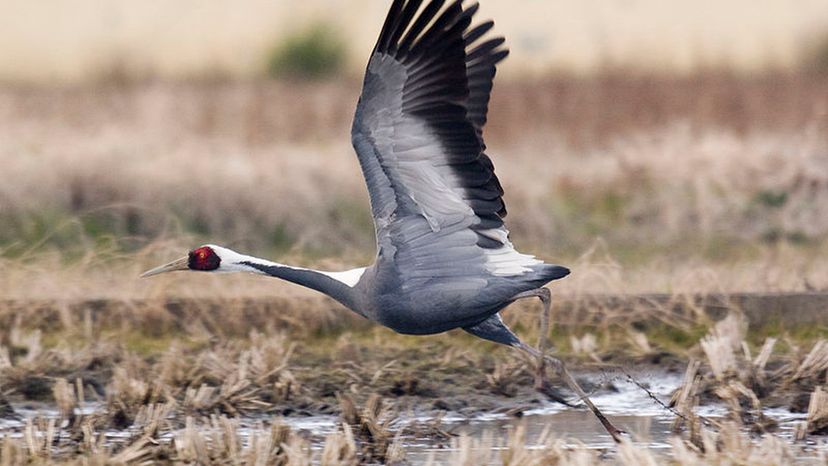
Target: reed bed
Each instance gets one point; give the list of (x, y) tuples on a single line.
[(210, 400), (708, 184), (218, 441), (712, 182), (720, 165)]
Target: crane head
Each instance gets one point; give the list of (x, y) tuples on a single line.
[(202, 259)]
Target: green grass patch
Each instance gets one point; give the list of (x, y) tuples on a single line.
[(316, 52)]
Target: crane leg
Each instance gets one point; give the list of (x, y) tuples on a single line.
[(556, 364), (546, 299)]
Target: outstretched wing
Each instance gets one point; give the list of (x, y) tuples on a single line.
[(418, 132)]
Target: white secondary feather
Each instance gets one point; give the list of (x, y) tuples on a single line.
[(505, 261)]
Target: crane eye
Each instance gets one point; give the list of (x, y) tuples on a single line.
[(204, 259)]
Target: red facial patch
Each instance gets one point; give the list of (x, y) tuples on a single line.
[(204, 259)]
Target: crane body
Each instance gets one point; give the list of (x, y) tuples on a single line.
[(444, 258)]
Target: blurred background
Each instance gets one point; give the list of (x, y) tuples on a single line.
[(651, 145)]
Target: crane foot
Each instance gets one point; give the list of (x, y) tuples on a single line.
[(560, 369)]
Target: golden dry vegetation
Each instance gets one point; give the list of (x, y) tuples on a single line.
[(212, 385), (641, 183), (710, 180)]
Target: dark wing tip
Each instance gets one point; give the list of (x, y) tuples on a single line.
[(389, 24), (408, 23), (450, 64)]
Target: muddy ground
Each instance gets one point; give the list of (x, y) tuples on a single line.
[(92, 367)]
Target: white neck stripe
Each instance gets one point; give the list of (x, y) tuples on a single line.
[(231, 261)]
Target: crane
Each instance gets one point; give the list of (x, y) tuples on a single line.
[(444, 258)]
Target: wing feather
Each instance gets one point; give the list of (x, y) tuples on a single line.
[(418, 132)]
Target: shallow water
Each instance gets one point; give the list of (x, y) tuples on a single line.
[(628, 406)]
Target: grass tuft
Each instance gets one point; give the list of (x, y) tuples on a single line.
[(316, 52)]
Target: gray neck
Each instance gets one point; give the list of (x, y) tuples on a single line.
[(308, 278)]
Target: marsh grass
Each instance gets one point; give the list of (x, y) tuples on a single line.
[(712, 184), (716, 166), (187, 399)]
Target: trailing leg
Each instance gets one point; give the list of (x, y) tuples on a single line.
[(493, 329), (557, 365), (559, 368), (545, 296)]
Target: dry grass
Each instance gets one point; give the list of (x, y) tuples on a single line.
[(163, 422), (218, 441), (639, 183), (715, 182), (709, 184), (187, 392), (745, 383)]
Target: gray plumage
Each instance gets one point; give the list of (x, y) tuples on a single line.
[(444, 258)]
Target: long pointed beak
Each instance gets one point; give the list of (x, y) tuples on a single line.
[(178, 264)]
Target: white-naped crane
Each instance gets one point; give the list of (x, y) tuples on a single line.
[(444, 259)]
